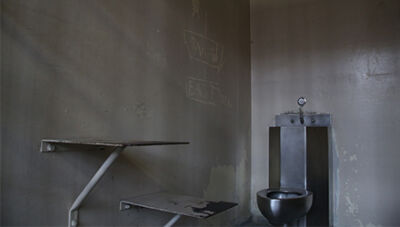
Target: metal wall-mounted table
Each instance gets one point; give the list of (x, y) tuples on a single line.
[(50, 145), (180, 205)]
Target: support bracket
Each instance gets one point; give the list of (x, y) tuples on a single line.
[(73, 216), (126, 206)]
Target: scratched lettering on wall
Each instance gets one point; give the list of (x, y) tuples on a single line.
[(206, 92), (195, 8), (204, 49)]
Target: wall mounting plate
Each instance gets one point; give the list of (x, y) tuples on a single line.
[(310, 120)]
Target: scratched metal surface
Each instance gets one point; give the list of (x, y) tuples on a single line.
[(180, 204)]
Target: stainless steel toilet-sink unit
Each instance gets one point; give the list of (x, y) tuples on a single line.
[(299, 170)]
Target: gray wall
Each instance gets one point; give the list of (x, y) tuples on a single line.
[(123, 70), (1, 31), (344, 57)]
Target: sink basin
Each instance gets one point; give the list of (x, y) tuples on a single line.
[(284, 205)]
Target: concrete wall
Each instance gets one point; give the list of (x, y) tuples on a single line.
[(1, 31), (344, 57), (123, 70)]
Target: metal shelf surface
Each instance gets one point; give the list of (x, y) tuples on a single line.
[(177, 204), (49, 145)]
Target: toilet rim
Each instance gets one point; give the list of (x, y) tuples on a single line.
[(301, 193)]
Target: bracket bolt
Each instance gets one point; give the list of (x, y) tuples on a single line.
[(49, 147), (74, 223)]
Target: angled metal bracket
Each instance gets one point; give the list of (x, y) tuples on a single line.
[(126, 206), (172, 221), (73, 216)]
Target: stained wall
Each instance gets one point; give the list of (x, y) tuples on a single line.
[(124, 70), (343, 56)]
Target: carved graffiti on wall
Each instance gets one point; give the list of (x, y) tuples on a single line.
[(204, 49), (206, 92), (195, 8)]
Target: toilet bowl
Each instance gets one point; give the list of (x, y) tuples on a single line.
[(284, 205)]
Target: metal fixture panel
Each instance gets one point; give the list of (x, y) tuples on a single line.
[(274, 157), (309, 119), (297, 150), (318, 175), (177, 204), (293, 157)]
